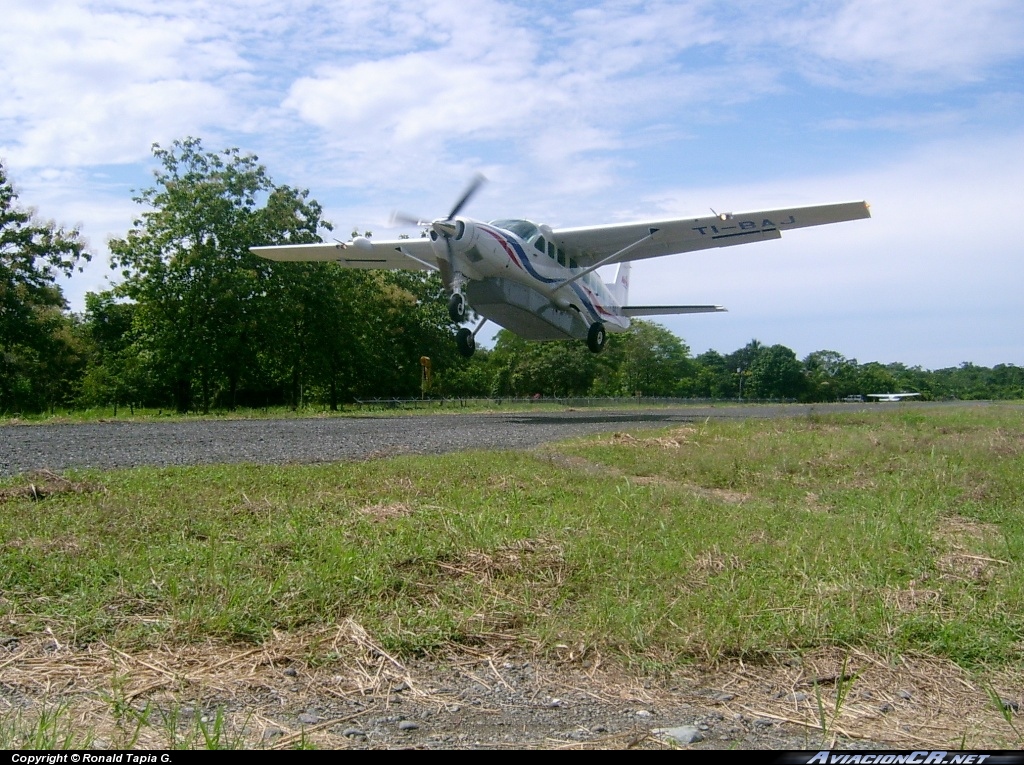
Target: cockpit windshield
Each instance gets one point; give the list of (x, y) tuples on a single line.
[(530, 232), (524, 229)]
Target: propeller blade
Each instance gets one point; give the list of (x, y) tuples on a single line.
[(474, 185), (410, 220)]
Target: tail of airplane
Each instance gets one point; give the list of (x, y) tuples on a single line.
[(620, 287)]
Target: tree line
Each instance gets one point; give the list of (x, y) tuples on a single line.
[(196, 322)]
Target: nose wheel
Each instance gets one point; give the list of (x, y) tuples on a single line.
[(466, 342), (457, 309), (596, 337)]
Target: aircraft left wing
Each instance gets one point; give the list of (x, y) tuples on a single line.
[(597, 244), (361, 252)]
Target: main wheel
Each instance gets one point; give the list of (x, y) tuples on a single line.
[(466, 342), (457, 308), (596, 337)]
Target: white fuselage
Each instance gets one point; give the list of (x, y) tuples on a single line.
[(518, 252)]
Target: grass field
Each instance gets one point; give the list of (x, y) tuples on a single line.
[(897, 533)]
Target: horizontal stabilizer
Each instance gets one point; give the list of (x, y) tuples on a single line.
[(666, 310)]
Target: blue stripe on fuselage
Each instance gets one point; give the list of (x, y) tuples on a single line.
[(502, 237)]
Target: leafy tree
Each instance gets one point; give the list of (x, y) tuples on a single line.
[(745, 357), (525, 368), (776, 373), (467, 378), (875, 378), (830, 376), (714, 377), (654, 361), (1007, 381), (201, 294), (120, 368), (39, 354)]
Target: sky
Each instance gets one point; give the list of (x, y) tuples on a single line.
[(580, 113)]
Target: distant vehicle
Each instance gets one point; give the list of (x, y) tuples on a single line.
[(855, 399), (539, 281), (892, 396)]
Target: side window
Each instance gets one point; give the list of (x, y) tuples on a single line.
[(561, 256), (573, 264), (540, 244), (551, 250)]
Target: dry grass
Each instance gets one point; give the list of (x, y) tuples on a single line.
[(45, 483), (911, 702), (960, 536), (386, 511)]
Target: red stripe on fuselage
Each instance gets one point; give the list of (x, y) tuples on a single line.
[(504, 245)]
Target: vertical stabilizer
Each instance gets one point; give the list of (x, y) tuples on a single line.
[(620, 288)]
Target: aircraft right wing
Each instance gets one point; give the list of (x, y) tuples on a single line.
[(653, 239), (361, 252)]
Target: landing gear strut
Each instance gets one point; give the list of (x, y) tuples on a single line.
[(596, 337), (457, 308)]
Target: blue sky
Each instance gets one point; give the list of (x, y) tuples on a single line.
[(581, 113)]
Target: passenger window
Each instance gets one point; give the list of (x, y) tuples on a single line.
[(561, 256), (572, 264), (551, 250), (540, 244)]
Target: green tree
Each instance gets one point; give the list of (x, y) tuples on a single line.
[(201, 295), (775, 373), (654, 361), (745, 357), (526, 368), (713, 377), (119, 371), (875, 378), (830, 376), (40, 358)]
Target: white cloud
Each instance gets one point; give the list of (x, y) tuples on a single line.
[(885, 45), (88, 86)]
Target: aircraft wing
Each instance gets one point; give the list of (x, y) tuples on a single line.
[(361, 252), (594, 244)]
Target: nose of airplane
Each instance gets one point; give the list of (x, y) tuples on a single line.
[(445, 227)]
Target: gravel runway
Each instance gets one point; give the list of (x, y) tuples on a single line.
[(328, 439)]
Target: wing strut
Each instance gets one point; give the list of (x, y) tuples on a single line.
[(610, 259), (425, 264)]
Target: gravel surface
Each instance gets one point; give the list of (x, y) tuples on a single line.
[(131, 444)]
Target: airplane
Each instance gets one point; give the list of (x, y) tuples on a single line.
[(892, 396), (540, 282)]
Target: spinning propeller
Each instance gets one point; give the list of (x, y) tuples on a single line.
[(445, 227)]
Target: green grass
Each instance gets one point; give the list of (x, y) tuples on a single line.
[(892, 532)]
